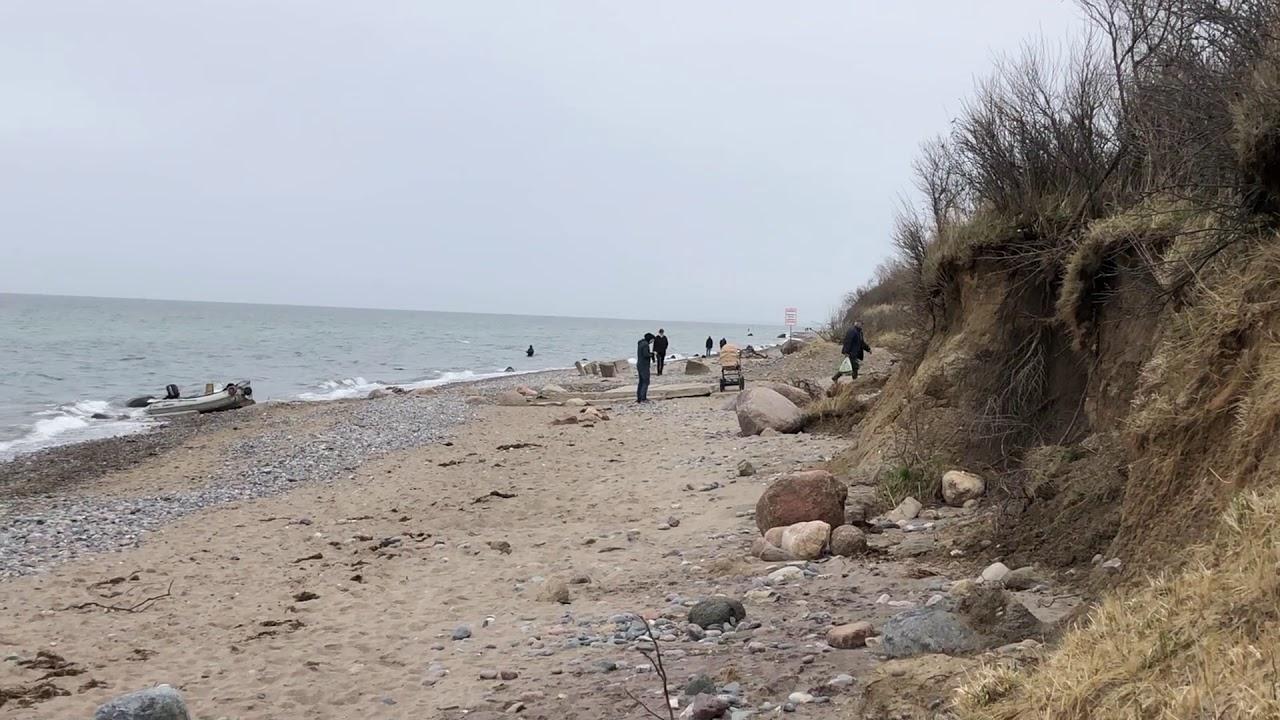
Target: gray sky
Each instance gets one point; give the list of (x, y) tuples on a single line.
[(662, 160)]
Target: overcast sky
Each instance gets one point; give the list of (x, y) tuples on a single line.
[(683, 160)]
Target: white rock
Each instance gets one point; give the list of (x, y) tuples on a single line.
[(785, 575), (995, 572), (806, 540), (840, 681), (908, 509), (959, 487), (800, 698)]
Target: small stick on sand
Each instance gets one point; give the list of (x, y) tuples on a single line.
[(656, 660), (137, 607)]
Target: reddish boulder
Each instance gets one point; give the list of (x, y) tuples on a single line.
[(802, 497)]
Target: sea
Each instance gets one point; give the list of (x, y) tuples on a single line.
[(69, 365)]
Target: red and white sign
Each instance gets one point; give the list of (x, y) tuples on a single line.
[(790, 314)]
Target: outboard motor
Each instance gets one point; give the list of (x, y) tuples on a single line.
[(171, 392)]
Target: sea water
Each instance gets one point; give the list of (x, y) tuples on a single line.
[(64, 360)]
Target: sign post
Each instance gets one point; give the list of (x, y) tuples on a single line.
[(789, 318)]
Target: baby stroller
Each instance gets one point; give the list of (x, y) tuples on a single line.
[(731, 367)]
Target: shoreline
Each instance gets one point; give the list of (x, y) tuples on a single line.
[(134, 422), (54, 509)]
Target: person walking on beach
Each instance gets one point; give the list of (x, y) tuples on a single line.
[(660, 349), (643, 354), (710, 342), (853, 347)]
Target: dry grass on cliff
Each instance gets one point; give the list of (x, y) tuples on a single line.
[(1200, 643)]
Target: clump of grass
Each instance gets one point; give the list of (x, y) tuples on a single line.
[(897, 483), (1203, 642), (839, 412)]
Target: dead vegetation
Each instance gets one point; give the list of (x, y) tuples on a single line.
[(1201, 642)]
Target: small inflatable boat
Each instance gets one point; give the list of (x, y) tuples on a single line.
[(233, 395)]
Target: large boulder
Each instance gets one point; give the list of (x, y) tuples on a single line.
[(801, 497), (607, 369), (934, 629), (979, 620), (790, 392), (696, 367), (760, 408), (959, 487), (791, 346), (806, 540), (158, 703), (552, 391)]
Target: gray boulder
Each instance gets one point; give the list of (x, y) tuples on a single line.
[(158, 703), (979, 620), (717, 611), (927, 630), (760, 408)]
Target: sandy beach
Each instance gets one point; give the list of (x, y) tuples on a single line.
[(419, 571)]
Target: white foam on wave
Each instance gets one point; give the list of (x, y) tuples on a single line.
[(74, 423), (358, 387)]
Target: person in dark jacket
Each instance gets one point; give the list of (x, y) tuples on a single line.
[(710, 343), (643, 354), (529, 352), (853, 347), (660, 348)]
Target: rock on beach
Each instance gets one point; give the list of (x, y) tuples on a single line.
[(760, 408), (801, 497), (158, 703)]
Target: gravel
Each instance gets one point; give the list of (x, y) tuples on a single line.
[(42, 524)]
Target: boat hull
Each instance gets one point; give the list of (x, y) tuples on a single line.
[(232, 396)]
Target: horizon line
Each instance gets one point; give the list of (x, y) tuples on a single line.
[(382, 309)]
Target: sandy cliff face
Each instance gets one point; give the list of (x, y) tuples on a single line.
[(1119, 401)]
